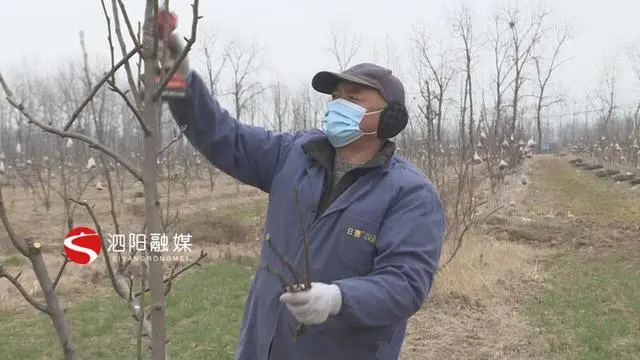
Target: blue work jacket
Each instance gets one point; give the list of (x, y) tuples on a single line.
[(379, 241)]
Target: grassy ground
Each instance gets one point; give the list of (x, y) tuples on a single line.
[(592, 311), (203, 321), (592, 308), (601, 201)]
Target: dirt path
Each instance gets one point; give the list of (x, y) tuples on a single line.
[(484, 306)]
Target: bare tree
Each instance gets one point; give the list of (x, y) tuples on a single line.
[(254, 111), (436, 76), (524, 37), (444, 151), (213, 77), (246, 64), (464, 29), (386, 53), (503, 70), (491, 124), (606, 96), (344, 47), (543, 77), (281, 102), (145, 106), (214, 71), (634, 58), (307, 108)]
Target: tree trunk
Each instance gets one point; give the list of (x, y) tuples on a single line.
[(539, 125), (495, 194), (153, 220)]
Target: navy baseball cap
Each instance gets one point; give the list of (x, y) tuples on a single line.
[(367, 74)]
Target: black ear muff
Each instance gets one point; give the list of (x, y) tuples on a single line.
[(393, 119)]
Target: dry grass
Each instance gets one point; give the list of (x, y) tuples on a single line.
[(473, 312)]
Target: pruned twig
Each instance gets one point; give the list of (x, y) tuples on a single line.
[(301, 282), (283, 260), (296, 286), (305, 240)]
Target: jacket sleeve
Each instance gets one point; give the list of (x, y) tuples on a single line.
[(250, 154), (409, 244)]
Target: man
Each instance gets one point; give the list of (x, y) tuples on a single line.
[(374, 223)]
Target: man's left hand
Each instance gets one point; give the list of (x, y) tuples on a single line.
[(314, 306)]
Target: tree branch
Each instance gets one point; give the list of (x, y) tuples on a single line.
[(14, 280), (175, 273), (96, 87)]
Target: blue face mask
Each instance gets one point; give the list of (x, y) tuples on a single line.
[(341, 122)]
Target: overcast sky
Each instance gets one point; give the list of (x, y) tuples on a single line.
[(295, 34)]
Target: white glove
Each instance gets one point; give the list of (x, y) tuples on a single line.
[(314, 306)]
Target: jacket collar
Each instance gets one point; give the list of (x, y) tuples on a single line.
[(321, 150)]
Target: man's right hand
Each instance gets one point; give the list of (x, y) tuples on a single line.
[(172, 42), (166, 24)]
